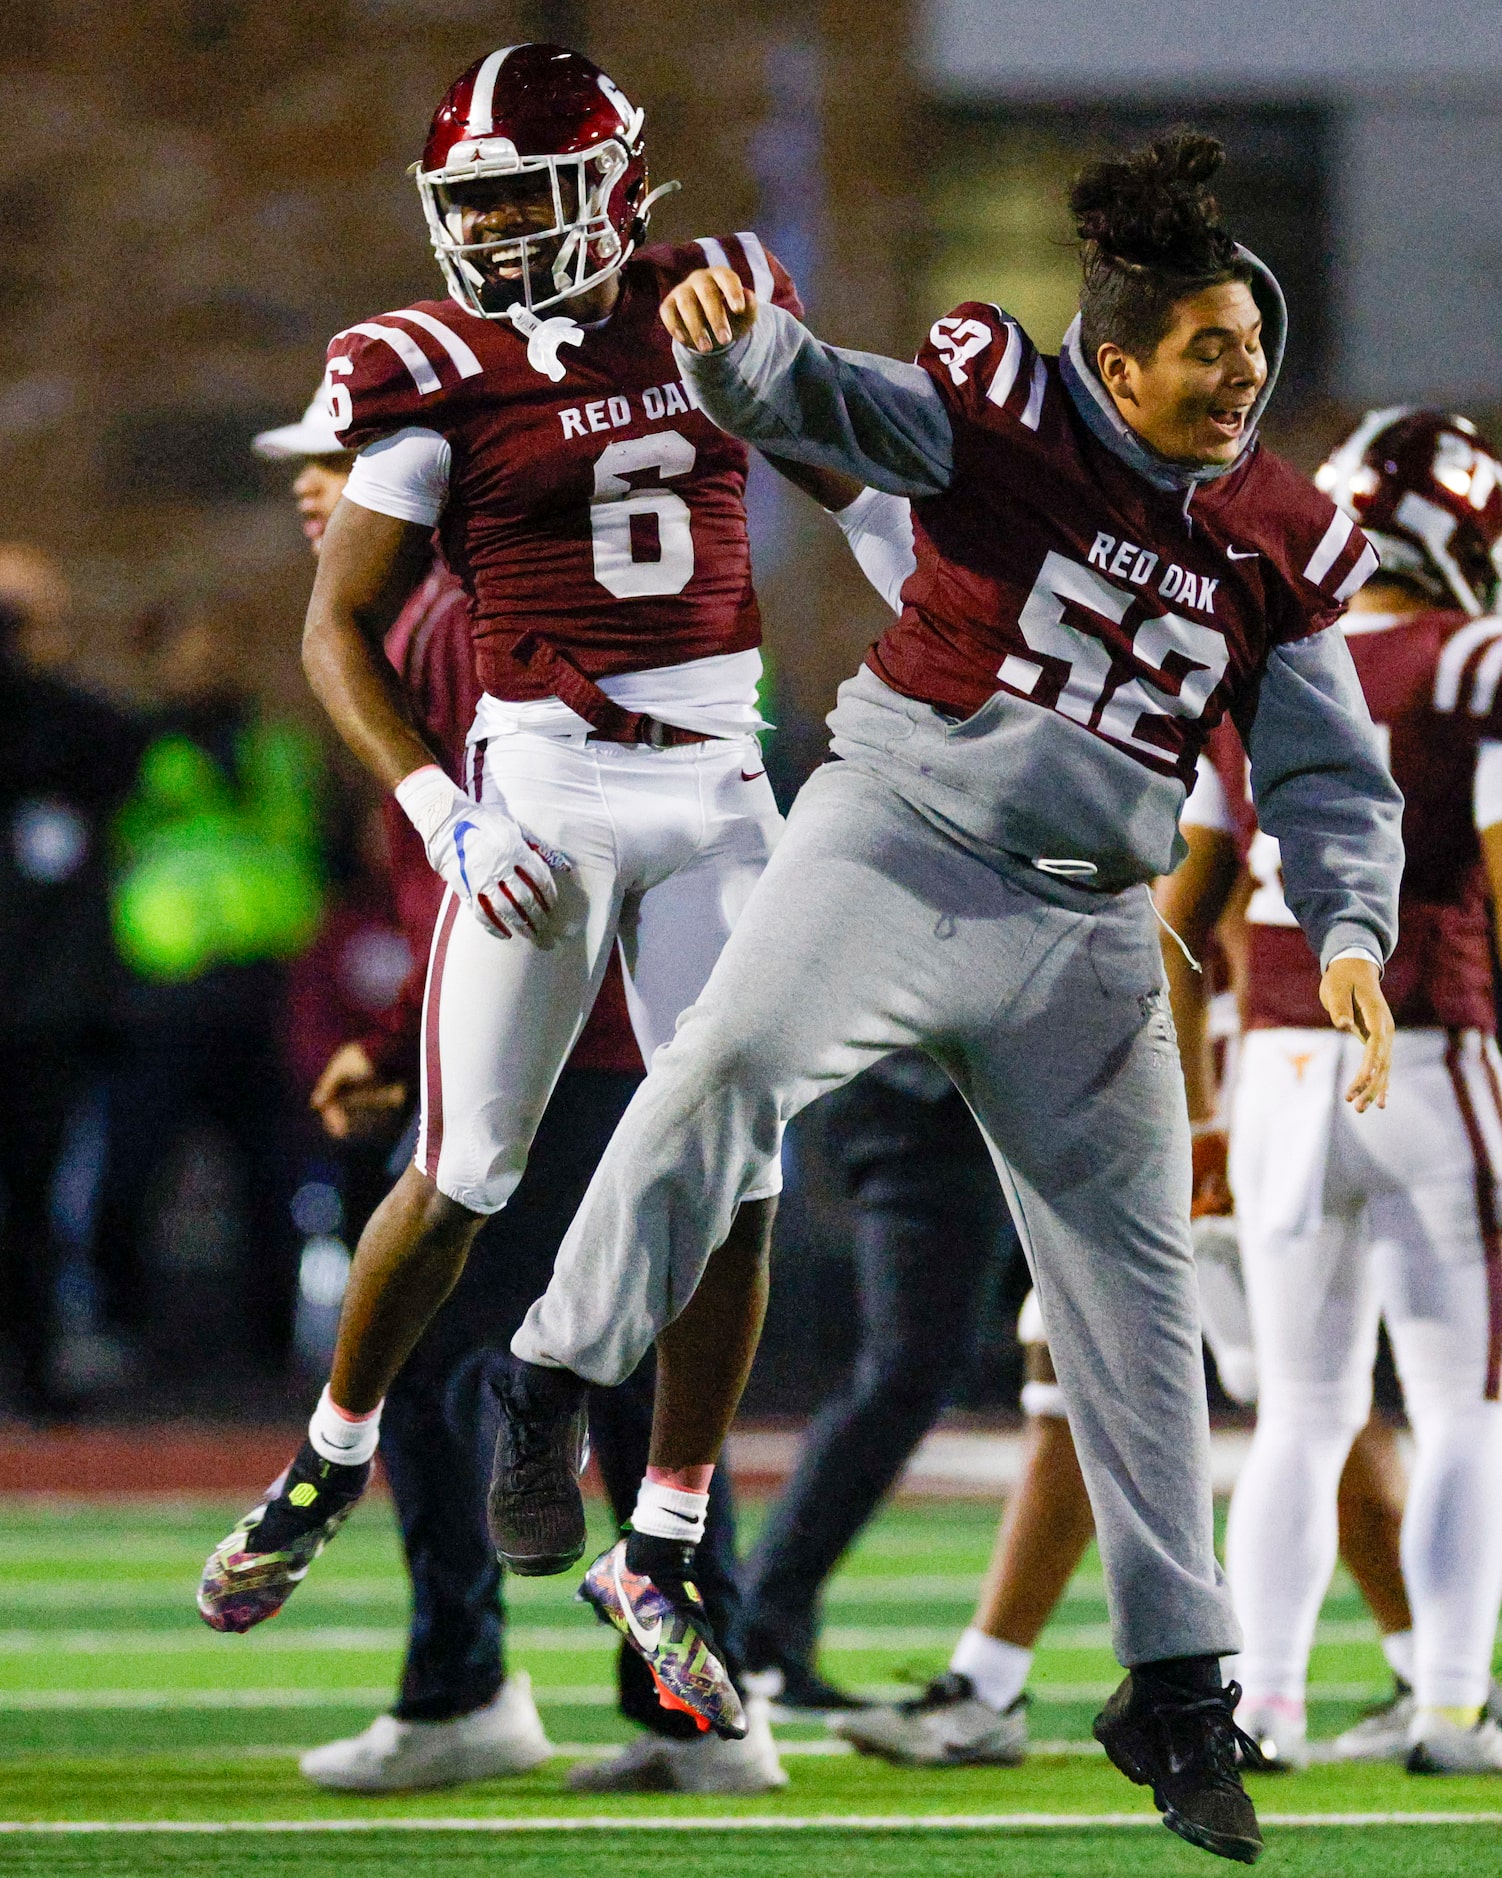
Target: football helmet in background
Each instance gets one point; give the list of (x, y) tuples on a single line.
[(552, 117), (1426, 488)]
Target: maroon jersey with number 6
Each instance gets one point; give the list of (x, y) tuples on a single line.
[(1052, 568), (601, 512), (1432, 685)]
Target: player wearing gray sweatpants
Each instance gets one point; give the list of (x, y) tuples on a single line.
[(968, 877), (874, 931)]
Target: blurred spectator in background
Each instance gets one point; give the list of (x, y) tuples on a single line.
[(67, 759), (218, 885)]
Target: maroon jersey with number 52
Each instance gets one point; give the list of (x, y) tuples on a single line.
[(599, 510), (1432, 685), (1050, 567)]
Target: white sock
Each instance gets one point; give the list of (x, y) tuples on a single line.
[(345, 1439), (1398, 1649), (998, 1671), (670, 1513)]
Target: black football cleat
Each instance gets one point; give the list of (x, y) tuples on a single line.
[(251, 1574), (1186, 1746), (536, 1508)]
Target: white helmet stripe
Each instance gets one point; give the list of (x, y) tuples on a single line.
[(482, 98)]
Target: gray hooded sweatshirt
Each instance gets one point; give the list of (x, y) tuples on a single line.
[(1020, 779)]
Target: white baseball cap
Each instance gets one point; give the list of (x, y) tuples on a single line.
[(312, 435)]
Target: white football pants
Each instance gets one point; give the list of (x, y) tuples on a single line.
[(666, 846), (1346, 1219)]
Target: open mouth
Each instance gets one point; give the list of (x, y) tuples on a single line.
[(1231, 421)]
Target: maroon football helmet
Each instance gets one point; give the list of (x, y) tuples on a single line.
[(553, 118), (1426, 488)]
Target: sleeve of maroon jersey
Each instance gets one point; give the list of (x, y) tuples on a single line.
[(392, 371), (756, 268), (984, 365), (1468, 679), (1326, 560)]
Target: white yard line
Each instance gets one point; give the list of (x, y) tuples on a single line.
[(699, 1823), (557, 1695), (582, 1637)]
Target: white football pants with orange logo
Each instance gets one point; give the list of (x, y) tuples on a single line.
[(665, 847), (1346, 1219)]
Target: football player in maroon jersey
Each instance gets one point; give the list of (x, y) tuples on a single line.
[(1107, 562), (537, 418), (1347, 1218)]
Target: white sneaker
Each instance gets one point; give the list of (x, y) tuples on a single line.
[(1280, 1732), (1437, 1746), (947, 1726), (653, 1764), (1382, 1735), (504, 1737)]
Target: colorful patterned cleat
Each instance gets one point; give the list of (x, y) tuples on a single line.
[(665, 1622), (251, 1574)]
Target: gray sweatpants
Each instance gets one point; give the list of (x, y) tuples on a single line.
[(873, 930)]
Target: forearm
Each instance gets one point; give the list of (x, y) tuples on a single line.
[(1324, 791), (367, 566), (1191, 900), (877, 420), (1189, 1002), (358, 688)]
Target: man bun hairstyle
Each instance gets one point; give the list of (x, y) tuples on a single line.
[(1150, 233)]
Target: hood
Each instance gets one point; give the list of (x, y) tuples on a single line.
[(1095, 406)]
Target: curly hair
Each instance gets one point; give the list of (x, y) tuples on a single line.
[(1150, 232)]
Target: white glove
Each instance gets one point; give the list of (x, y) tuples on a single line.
[(502, 874)]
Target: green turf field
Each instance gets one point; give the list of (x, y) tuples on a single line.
[(120, 1711)]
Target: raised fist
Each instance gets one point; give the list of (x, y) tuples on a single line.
[(712, 307)]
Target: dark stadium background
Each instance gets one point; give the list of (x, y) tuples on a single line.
[(194, 194)]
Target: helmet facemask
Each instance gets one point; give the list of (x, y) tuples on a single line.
[(1433, 521), (575, 249)]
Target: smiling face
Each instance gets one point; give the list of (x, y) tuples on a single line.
[(1192, 397)]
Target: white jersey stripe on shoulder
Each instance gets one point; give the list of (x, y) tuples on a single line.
[(1484, 685), (762, 284), (406, 349), (714, 251), (466, 363), (482, 99), (1033, 413), (1332, 541), (1453, 660), (1359, 575), (1005, 376)]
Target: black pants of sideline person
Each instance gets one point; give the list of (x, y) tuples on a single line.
[(41, 1082), (929, 1223), (439, 1427)]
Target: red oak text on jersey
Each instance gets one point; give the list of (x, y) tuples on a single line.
[(1050, 567), (601, 512)]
